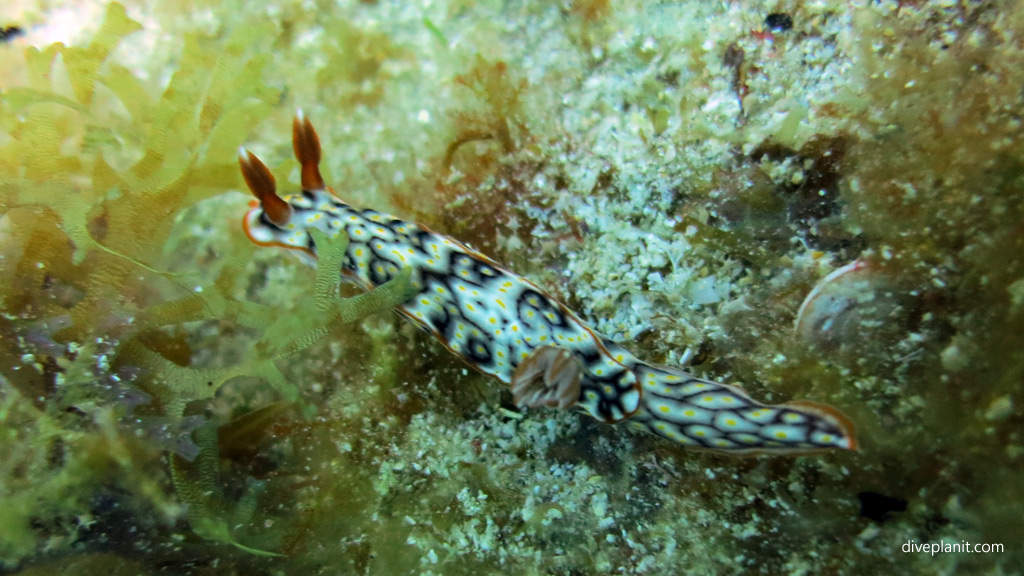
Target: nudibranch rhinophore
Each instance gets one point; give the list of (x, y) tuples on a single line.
[(504, 325)]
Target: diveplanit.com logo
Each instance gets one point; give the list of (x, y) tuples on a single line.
[(944, 547)]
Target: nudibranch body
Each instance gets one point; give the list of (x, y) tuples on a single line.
[(506, 326)]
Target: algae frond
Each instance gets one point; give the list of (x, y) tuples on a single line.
[(209, 514)]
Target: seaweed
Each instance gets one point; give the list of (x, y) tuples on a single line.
[(490, 126), (118, 219), (331, 253), (210, 515), (94, 171), (178, 385), (96, 166)]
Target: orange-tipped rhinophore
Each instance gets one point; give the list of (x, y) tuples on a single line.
[(306, 145), (261, 184)]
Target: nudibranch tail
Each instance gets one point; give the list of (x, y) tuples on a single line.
[(504, 325), (707, 414)]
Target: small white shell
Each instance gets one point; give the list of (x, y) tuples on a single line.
[(847, 303)]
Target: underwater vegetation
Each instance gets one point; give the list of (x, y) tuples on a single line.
[(95, 171), (818, 200)]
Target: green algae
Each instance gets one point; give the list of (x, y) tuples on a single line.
[(210, 516), (83, 239)]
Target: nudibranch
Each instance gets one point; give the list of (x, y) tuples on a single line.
[(504, 325)]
